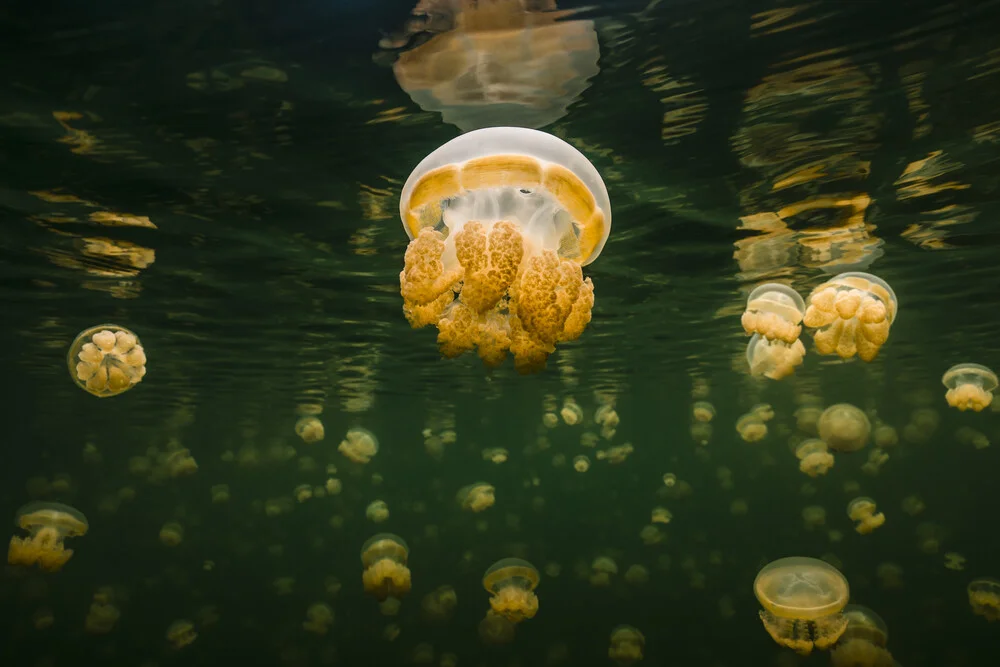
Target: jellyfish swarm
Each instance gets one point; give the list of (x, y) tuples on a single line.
[(970, 386), (48, 524), (984, 598), (384, 559), (510, 62), (773, 359), (512, 581), (851, 315), (106, 360), (501, 222), (802, 600)]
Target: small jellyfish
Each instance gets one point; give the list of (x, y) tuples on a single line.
[(48, 524), (626, 645), (603, 568), (662, 515), (970, 386), (319, 618), (495, 455), (476, 497), (851, 315), (814, 458), (636, 575), (384, 558), (310, 429), (802, 600), (703, 411), (571, 413), (181, 633), (984, 598), (106, 360), (359, 445), (862, 510), (377, 511), (496, 629), (172, 534), (581, 463), (751, 428), (774, 359), (774, 311), (438, 605), (813, 517), (512, 582), (844, 427), (501, 222), (103, 614), (954, 561), (701, 433), (890, 575)]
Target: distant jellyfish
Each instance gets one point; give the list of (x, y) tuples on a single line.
[(703, 411), (476, 497), (48, 525), (751, 428), (502, 220), (439, 605), (970, 386), (310, 429), (172, 534), (581, 463), (496, 629), (626, 645), (384, 558), (814, 457), (319, 618), (359, 445), (774, 311), (512, 582), (377, 511), (802, 599), (701, 433), (863, 642), (844, 427), (890, 575), (863, 511), (774, 359), (103, 614), (181, 633), (851, 315), (954, 561), (571, 412), (813, 517), (984, 598), (604, 568), (106, 360)]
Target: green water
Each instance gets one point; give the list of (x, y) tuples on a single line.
[(223, 179)]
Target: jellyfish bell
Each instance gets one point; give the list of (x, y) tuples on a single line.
[(512, 582), (384, 558), (48, 524), (626, 646), (106, 360), (814, 457), (984, 597), (774, 359), (476, 497), (970, 386), (851, 315), (864, 623), (862, 510), (775, 312), (501, 221), (844, 427), (496, 629)]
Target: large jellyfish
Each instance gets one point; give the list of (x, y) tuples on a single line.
[(802, 600), (970, 386), (106, 360), (384, 558), (49, 524), (851, 314), (512, 582), (501, 222), (844, 427), (775, 312)]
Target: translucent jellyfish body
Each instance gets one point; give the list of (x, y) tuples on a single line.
[(626, 645), (814, 457), (844, 427), (851, 315), (359, 445), (864, 623), (476, 497), (802, 600), (774, 359), (863, 511), (48, 524), (512, 582), (984, 598), (970, 386), (384, 558), (501, 221), (863, 642), (775, 312), (106, 360)]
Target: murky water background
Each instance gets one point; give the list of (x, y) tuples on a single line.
[(223, 178)]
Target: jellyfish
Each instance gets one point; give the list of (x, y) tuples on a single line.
[(863, 642), (774, 311), (814, 457), (802, 600), (310, 429), (106, 360), (496, 629), (377, 511), (102, 615), (603, 568), (984, 598), (844, 427), (970, 386), (48, 524), (181, 633), (751, 428), (384, 559), (512, 582), (626, 645), (571, 412), (359, 445), (774, 359), (501, 222), (172, 534), (581, 463), (703, 411), (476, 497), (862, 510), (438, 605), (319, 618), (813, 516), (851, 315), (954, 561)]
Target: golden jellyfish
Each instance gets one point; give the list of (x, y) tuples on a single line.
[(384, 558), (377, 511), (813, 517), (984, 598), (48, 525), (310, 429), (476, 497), (172, 534), (516, 62), (851, 315), (319, 618), (512, 582), (774, 359), (703, 411), (774, 311), (626, 645), (496, 629), (863, 642), (501, 222), (106, 360), (581, 463), (359, 445), (814, 457), (571, 412), (181, 633), (844, 427), (603, 568), (103, 614), (495, 455), (862, 510), (802, 600), (751, 428), (954, 561), (970, 386), (438, 605)]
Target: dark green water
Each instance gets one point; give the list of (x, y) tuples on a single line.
[(260, 149)]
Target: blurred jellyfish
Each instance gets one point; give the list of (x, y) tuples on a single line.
[(984, 598), (913, 505), (496, 629), (813, 516), (439, 605), (802, 600), (954, 561), (181, 633), (751, 428), (890, 575), (571, 413), (377, 511), (626, 645), (602, 569), (844, 427), (106, 360), (774, 359), (496, 455), (703, 411), (851, 315), (970, 386), (384, 558), (511, 582), (171, 534), (814, 458), (476, 497), (48, 524), (319, 618), (701, 433), (310, 429), (862, 510), (863, 642), (636, 575), (501, 221), (359, 445), (103, 614), (774, 311), (662, 515), (581, 463)]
